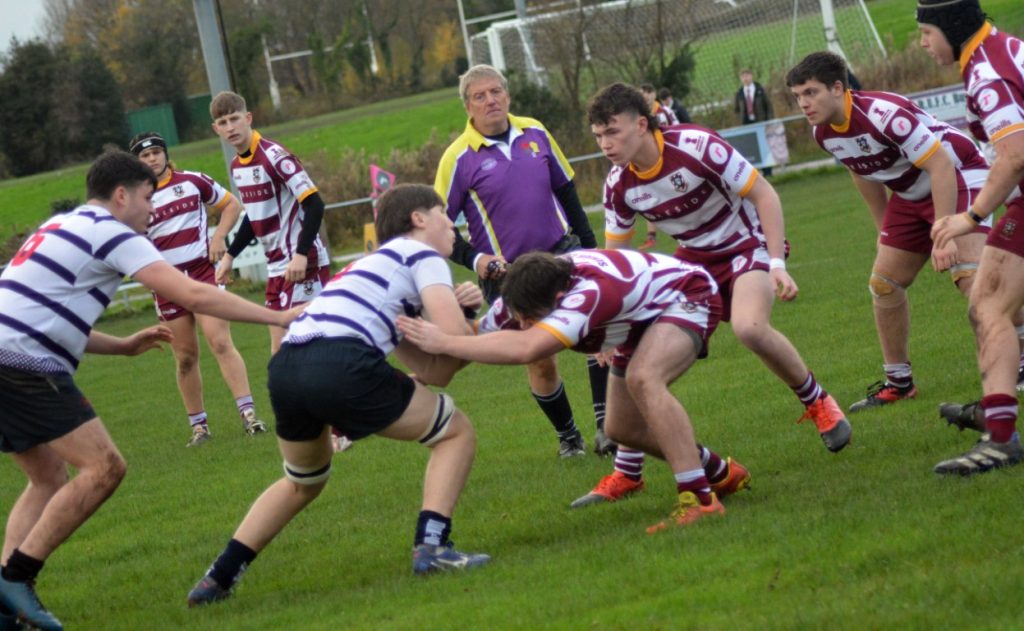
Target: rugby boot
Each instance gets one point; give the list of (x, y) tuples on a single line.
[(832, 425), (983, 457), (612, 487), (964, 416), (20, 599), (251, 424), (883, 393), (572, 446), (736, 479), (652, 240), (427, 558), (603, 446), (207, 591), (200, 434), (688, 511)]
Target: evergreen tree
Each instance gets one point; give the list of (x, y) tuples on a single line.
[(27, 137)]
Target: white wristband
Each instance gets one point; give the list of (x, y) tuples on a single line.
[(776, 264)]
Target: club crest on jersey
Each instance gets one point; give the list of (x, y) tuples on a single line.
[(739, 263), (179, 190), (488, 164), (678, 182), (307, 288), (1009, 227), (862, 144), (532, 148), (256, 175), (689, 307)]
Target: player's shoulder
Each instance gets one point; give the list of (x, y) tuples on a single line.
[(879, 108), (273, 151), (197, 178), (525, 123), (689, 139), (615, 176)]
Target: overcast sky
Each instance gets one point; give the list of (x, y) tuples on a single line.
[(21, 18)]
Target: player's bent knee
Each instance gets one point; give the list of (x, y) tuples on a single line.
[(307, 476), (440, 423), (886, 292)]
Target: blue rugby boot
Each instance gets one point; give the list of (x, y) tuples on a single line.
[(427, 558)]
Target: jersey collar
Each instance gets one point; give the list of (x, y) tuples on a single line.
[(848, 112), (252, 148), (477, 140), (973, 43), (654, 170), (166, 180)]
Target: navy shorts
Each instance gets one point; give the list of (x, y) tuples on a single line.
[(36, 408), (340, 382)]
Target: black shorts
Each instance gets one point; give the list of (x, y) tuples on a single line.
[(36, 408), (340, 382)]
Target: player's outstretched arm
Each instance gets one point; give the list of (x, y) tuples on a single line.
[(198, 297), (228, 218), (500, 347), (139, 342), (440, 305)]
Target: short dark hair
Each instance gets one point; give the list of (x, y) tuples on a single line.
[(615, 99), (820, 66), (664, 93), (396, 206), (114, 169), (532, 283), (646, 87)]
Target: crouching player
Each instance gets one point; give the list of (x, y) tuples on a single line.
[(331, 371), (51, 294), (650, 314)]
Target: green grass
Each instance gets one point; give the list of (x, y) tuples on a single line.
[(865, 539), (395, 124), (897, 18)]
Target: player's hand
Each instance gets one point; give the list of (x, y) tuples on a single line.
[(469, 295), (291, 314), (423, 334), (147, 339), (223, 276), (783, 284), (486, 271), (218, 248), (296, 269), (944, 258), (948, 228), (604, 358)]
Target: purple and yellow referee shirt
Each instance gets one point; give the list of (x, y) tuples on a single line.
[(506, 191)]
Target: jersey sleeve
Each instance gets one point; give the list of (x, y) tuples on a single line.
[(1000, 105), (558, 165), (913, 137), (124, 251), (722, 163), (289, 170), (498, 318), (212, 193), (619, 218), (570, 322), (429, 268), (449, 183)]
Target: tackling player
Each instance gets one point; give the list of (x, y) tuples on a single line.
[(282, 208), (649, 315), (955, 31), (51, 294), (177, 228), (694, 186), (332, 370), (933, 171)]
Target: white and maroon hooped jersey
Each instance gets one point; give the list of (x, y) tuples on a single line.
[(59, 283), (273, 184), (613, 296), (695, 193), (364, 300), (992, 65), (177, 226), (664, 115), (887, 138)]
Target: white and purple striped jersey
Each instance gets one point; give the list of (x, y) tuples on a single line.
[(177, 226), (613, 296), (886, 139), (59, 283), (695, 193), (364, 300), (273, 184)]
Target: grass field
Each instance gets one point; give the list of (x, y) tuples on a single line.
[(865, 539)]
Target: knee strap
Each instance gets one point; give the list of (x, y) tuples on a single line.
[(307, 476), (961, 271), (886, 292), (442, 421)]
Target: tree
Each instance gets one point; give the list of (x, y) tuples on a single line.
[(88, 104), (27, 136)]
